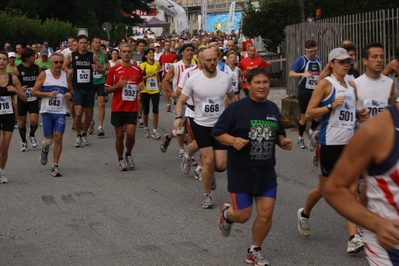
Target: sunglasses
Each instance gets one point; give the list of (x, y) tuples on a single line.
[(58, 62), (311, 51), (343, 62)]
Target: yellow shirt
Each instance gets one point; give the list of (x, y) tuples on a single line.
[(151, 85)]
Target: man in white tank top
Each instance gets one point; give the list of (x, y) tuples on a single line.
[(374, 91), (174, 75), (53, 86), (379, 159)]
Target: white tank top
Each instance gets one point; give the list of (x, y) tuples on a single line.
[(179, 68), (54, 105), (338, 125), (234, 74), (373, 94)]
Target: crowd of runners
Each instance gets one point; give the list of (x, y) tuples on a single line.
[(201, 81)]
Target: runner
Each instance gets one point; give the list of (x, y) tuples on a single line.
[(53, 86), (247, 63), (83, 63), (251, 137), (9, 86), (165, 61), (43, 61), (234, 72), (150, 92), (307, 68), (208, 89), (10, 69), (98, 83), (173, 77), (379, 160), (334, 100), (27, 73), (138, 58), (114, 58), (125, 82), (393, 68)]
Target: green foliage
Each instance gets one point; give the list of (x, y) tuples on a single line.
[(269, 20), (18, 29)]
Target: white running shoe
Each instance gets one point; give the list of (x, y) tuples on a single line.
[(303, 224), (3, 178), (24, 146), (33, 142)]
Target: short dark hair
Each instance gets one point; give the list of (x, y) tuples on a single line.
[(310, 44), (366, 50), (141, 41), (82, 36), (95, 37), (256, 71), (26, 53), (349, 47)]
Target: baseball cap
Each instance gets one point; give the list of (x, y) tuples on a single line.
[(11, 54), (186, 45), (64, 43), (338, 53), (43, 51), (157, 45)]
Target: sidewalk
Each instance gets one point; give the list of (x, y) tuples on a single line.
[(276, 94)]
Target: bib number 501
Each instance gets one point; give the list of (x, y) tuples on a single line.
[(345, 116)]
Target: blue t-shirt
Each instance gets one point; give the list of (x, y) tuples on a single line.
[(305, 64), (251, 170)]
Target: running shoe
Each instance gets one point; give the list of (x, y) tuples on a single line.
[(78, 142), (164, 144), (55, 171), (100, 132), (73, 126), (185, 164), (198, 174), (16, 124), (256, 258), (140, 122), (24, 146), (33, 141), (224, 227), (129, 161), (91, 127), (155, 134), (213, 184), (181, 152), (3, 178), (193, 162), (106, 98), (146, 132), (168, 108), (355, 245), (312, 144), (122, 165), (85, 141), (301, 143), (68, 113), (303, 224), (43, 156), (207, 202)]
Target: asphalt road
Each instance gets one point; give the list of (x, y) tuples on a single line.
[(96, 215)]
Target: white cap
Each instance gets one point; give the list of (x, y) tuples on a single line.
[(157, 45), (11, 54), (339, 54)]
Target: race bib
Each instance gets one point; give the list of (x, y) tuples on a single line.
[(167, 66), (54, 104), (83, 76), (29, 96), (311, 82), (344, 116), (6, 105), (97, 75), (211, 107), (375, 106), (152, 84), (129, 92)]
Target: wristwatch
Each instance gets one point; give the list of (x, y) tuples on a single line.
[(330, 107)]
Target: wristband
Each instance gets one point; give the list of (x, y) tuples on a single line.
[(178, 116)]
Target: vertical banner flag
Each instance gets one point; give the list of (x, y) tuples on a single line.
[(204, 11), (231, 16)]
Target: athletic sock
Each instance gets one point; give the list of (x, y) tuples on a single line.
[(301, 129), (22, 133), (251, 249), (314, 124), (304, 215), (32, 131)]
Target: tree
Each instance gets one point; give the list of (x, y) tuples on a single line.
[(269, 20)]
